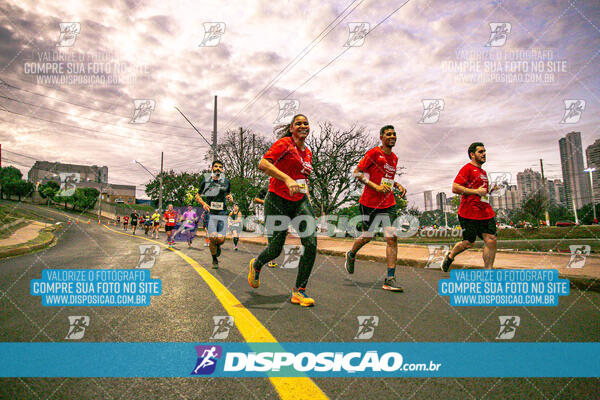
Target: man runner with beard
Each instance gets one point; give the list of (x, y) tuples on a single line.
[(377, 203), (213, 194), (476, 216)]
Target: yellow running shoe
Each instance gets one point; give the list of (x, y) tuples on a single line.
[(272, 264), (252, 275), (300, 297)]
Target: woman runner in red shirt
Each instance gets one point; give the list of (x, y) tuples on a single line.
[(288, 163)]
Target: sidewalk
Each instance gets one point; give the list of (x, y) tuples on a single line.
[(24, 234), (587, 278)]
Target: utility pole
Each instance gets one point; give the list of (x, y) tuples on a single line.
[(160, 179), (545, 194), (242, 152), (214, 138)]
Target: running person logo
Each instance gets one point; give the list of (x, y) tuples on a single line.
[(432, 109), (292, 255), (148, 255), (366, 326), (207, 359), (223, 324), (356, 187), (436, 255), (499, 182), (68, 183), (508, 326), (212, 34), (142, 110), (68, 33), (357, 32), (287, 109), (573, 111), (579, 253), (213, 187), (499, 32), (77, 325)]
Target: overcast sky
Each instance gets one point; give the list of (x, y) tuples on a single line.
[(427, 49)]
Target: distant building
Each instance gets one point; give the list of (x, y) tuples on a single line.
[(508, 200), (593, 160), (556, 192), (450, 207), (82, 176), (440, 201), (428, 200), (575, 180), (112, 193), (44, 171), (529, 182)]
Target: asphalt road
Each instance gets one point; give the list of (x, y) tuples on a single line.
[(184, 313)]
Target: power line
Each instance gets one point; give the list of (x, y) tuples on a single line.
[(85, 129), (85, 106), (332, 61), (294, 61), (94, 120)]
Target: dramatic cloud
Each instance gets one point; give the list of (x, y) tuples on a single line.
[(430, 49)]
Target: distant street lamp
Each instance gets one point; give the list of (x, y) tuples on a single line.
[(590, 170)]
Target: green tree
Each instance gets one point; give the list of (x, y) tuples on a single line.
[(63, 199), (9, 176), (176, 187), (84, 198), (558, 212), (240, 151), (534, 207), (48, 190), (23, 188), (586, 214)]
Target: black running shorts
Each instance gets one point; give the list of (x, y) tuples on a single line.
[(472, 228)]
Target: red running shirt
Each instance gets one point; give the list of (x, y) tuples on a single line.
[(170, 218), (288, 158), (472, 206), (379, 166)]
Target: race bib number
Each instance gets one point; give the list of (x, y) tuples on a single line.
[(171, 220), (216, 205), (387, 182), (303, 185)]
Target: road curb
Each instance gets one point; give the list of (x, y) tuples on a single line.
[(580, 282)]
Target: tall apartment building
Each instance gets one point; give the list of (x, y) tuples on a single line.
[(529, 182), (509, 200), (440, 201), (593, 160), (576, 182), (428, 200)]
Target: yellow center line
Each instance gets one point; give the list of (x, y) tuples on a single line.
[(250, 328)]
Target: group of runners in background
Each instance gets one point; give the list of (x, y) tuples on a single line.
[(288, 163)]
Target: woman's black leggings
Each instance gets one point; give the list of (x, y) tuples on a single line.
[(278, 206)]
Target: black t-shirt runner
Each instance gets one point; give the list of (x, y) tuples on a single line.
[(214, 193), (134, 219)]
